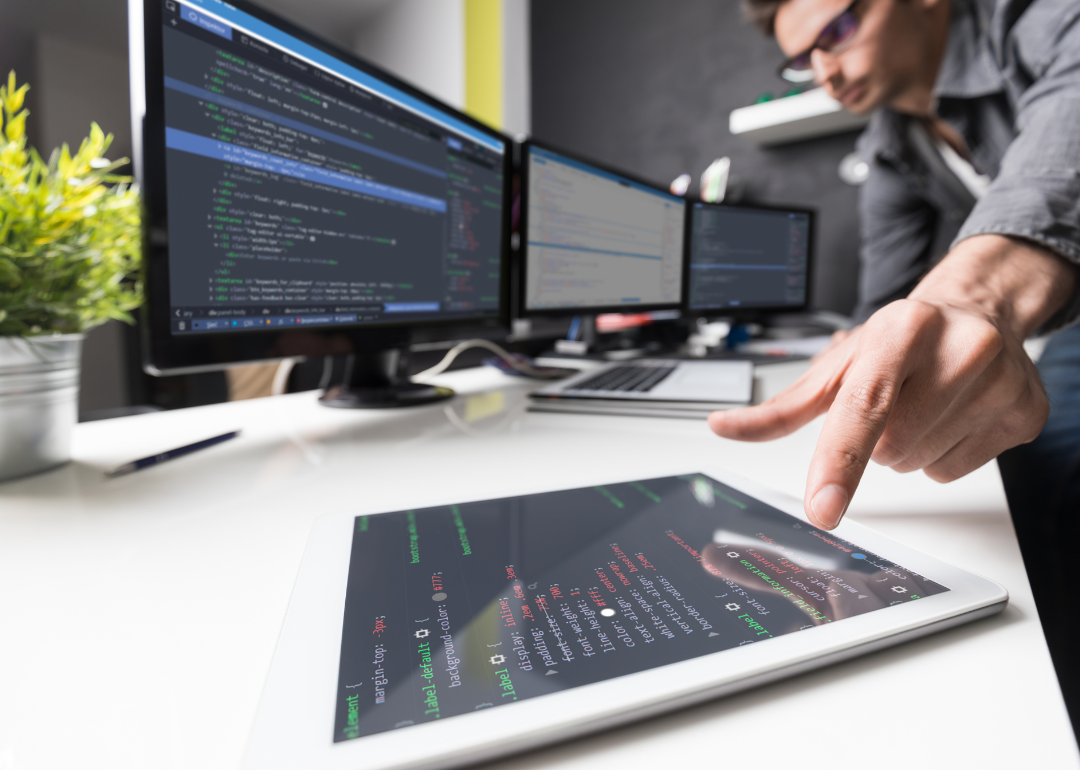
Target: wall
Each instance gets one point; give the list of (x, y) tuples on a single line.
[(333, 20), (648, 86), (99, 25), (78, 83), (421, 41), (517, 77), (426, 42)]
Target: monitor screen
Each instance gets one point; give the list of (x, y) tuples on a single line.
[(304, 191), (597, 240), (747, 257)]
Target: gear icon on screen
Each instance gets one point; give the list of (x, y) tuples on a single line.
[(497, 659), (733, 554), (732, 606), (899, 589), (423, 632)]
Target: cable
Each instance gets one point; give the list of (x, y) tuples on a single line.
[(511, 361), (280, 384), (327, 371)]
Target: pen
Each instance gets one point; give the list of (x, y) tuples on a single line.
[(146, 462)]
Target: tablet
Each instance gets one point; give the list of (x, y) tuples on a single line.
[(452, 632)]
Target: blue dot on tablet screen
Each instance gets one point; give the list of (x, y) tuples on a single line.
[(858, 556)]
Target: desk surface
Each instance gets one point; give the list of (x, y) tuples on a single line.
[(139, 615)]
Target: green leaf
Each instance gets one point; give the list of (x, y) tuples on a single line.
[(70, 248), (9, 272)]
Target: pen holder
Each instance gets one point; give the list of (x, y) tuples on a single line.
[(39, 392)]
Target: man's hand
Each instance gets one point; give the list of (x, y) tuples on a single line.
[(939, 381)]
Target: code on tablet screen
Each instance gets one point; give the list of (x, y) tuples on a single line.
[(460, 608)]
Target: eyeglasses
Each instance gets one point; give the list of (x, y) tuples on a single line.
[(834, 36)]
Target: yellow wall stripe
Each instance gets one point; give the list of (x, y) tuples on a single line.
[(484, 60)]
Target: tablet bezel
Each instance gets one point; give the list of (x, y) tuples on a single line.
[(295, 721)]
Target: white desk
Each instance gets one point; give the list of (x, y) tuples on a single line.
[(138, 616)]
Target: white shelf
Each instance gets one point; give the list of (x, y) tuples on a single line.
[(793, 118)]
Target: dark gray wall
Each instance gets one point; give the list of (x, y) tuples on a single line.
[(647, 85)]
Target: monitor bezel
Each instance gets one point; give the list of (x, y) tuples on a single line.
[(565, 312), (168, 353), (745, 312)]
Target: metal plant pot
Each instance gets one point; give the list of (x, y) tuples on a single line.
[(39, 394)]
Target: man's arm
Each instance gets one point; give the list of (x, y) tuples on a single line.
[(1036, 193), (939, 381)]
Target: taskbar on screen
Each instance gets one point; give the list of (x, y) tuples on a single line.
[(195, 321)]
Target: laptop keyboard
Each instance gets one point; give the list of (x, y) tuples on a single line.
[(637, 379)]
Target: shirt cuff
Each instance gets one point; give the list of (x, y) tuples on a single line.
[(1070, 312)]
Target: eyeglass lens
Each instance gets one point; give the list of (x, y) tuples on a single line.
[(838, 31)]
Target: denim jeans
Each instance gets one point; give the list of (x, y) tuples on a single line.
[(1042, 484)]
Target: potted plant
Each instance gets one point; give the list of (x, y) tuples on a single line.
[(69, 247)]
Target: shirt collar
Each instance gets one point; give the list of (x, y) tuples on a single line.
[(968, 68)]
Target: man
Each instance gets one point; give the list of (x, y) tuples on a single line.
[(939, 381), (970, 224)]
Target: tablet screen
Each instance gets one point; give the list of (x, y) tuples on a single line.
[(460, 608)]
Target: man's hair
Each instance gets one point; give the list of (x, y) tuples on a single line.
[(762, 13)]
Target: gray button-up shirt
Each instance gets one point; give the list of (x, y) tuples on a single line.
[(1010, 85)]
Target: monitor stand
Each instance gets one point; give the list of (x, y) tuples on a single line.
[(375, 381)]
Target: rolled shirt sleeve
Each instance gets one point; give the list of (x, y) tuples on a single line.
[(1036, 194)]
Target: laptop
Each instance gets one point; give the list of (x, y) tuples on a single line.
[(651, 386)]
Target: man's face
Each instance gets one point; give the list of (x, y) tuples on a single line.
[(879, 61)]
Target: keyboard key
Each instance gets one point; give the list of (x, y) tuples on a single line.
[(638, 379)]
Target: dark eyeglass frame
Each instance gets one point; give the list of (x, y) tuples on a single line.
[(797, 69)]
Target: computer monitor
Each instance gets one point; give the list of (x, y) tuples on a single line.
[(301, 202), (746, 260), (596, 240)]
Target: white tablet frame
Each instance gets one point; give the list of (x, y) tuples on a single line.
[(295, 721)]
